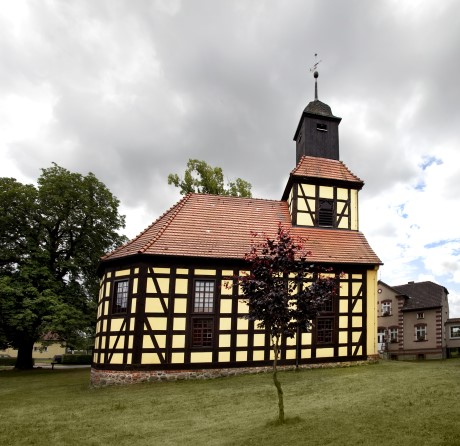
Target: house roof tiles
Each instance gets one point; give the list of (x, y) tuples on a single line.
[(213, 226), (422, 295)]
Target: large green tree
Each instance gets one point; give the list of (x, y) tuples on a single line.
[(202, 178), (51, 239), (284, 292)]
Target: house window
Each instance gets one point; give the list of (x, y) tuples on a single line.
[(386, 308), (324, 330), (326, 213), (40, 349), (321, 127), (203, 304), (455, 331), (120, 297), (381, 335), (202, 332), (420, 332), (393, 335), (420, 315)]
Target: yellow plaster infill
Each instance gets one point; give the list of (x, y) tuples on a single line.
[(304, 220), (163, 283), (153, 305), (112, 340), (117, 358), (136, 270), (107, 289), (343, 351), (258, 355), (196, 357), (354, 210), (343, 223), (133, 305), (259, 340), (135, 282), (102, 358), (306, 338), (123, 272), (226, 306), (355, 288), (343, 305), (372, 312), (242, 340), (225, 323), (305, 354), (326, 192), (177, 358), (179, 323), (290, 354), (358, 306), (109, 275), (343, 337), (130, 341), (158, 323), (309, 189), (242, 307), (224, 356), (357, 321), (205, 272), (342, 194), (157, 270), (224, 340), (178, 341), (181, 271), (242, 324), (129, 358), (147, 341), (343, 321), (180, 305), (356, 335), (324, 352), (301, 205), (241, 356), (181, 286), (116, 324), (226, 288), (227, 273), (150, 358)]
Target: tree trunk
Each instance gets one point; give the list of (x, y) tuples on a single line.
[(24, 360), (277, 383)]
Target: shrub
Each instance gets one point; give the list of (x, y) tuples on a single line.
[(76, 359), (7, 361)]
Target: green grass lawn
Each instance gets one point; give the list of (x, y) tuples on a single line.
[(391, 403)]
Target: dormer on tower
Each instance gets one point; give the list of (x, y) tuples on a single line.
[(318, 131)]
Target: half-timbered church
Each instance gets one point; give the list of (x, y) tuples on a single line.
[(164, 308)]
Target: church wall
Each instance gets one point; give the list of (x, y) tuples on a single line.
[(161, 327)]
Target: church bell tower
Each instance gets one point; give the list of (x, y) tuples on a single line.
[(318, 131)]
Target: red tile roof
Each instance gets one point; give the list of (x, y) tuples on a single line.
[(215, 226), (314, 167)]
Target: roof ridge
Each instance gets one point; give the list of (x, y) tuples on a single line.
[(174, 210)]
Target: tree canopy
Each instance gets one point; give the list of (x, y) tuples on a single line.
[(51, 239), (284, 292), (202, 178)]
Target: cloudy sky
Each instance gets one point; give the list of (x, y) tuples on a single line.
[(130, 90)]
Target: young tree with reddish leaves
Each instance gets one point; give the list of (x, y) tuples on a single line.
[(284, 292)]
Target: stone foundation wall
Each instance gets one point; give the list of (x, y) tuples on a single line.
[(102, 378)]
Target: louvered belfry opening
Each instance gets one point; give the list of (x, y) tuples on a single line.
[(326, 213)]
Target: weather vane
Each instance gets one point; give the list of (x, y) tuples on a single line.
[(315, 75), (313, 68)]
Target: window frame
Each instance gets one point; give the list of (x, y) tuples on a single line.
[(321, 333), (393, 334), (386, 307), (420, 332), (203, 311), (452, 330), (120, 294)]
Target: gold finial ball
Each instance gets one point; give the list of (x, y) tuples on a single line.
[(315, 75)]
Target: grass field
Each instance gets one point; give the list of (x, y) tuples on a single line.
[(391, 403)]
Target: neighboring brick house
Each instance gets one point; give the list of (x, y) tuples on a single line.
[(411, 320), (453, 337)]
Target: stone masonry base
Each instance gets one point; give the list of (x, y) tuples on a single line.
[(102, 378)]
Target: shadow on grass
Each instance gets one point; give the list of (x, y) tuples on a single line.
[(287, 421)]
